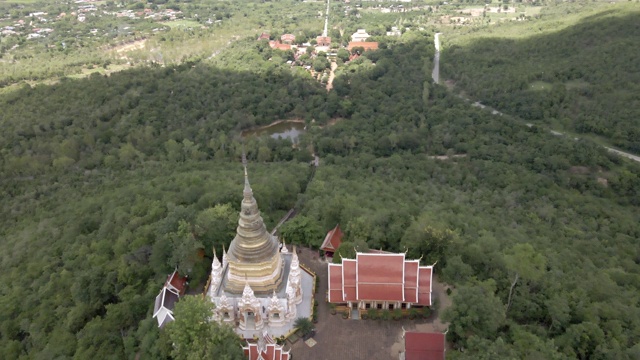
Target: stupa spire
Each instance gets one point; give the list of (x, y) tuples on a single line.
[(253, 252), (248, 193)]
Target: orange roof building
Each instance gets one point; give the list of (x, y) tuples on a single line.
[(265, 349), (274, 44), (367, 45), (323, 41), (381, 281), (423, 346), (288, 38), (332, 241)]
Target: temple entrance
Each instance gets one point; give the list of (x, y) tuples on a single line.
[(250, 320)]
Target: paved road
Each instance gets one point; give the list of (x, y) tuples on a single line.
[(436, 78)]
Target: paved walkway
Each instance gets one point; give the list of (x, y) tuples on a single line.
[(338, 338)]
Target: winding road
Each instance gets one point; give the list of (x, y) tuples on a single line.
[(436, 78)]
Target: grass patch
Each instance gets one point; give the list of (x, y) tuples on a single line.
[(540, 86), (182, 24), (576, 84)]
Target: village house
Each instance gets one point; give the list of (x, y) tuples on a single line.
[(323, 41), (288, 39), (366, 45), (275, 44), (380, 281)]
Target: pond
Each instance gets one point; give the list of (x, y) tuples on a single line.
[(290, 129)]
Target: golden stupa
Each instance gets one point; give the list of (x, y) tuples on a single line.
[(253, 255)]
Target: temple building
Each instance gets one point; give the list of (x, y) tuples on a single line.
[(173, 288), (331, 242), (380, 281), (265, 349), (259, 285)]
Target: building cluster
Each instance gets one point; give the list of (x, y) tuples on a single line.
[(260, 288), (31, 25)]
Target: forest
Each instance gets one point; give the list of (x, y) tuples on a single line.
[(110, 182), (582, 78)]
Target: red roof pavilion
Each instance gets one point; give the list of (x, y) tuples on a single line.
[(424, 346), (176, 283), (332, 240)]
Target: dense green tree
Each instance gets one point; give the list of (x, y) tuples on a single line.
[(301, 230), (194, 335), (476, 312)]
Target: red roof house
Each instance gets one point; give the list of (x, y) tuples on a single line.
[(274, 44), (265, 349), (263, 36), (423, 346), (332, 241), (367, 45), (176, 283), (288, 38), (380, 280), (323, 41)]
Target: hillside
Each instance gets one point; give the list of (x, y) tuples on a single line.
[(110, 182), (574, 69)]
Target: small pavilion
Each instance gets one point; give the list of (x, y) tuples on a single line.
[(331, 242)]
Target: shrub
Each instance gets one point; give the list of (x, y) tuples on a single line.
[(372, 314), (413, 313), (425, 312), (385, 315), (397, 314)]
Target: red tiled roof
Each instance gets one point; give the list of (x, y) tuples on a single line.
[(176, 282), (332, 240), (349, 276), (411, 281), (424, 346), (424, 285), (288, 37), (283, 47), (367, 45), (273, 351), (380, 277), (335, 283), (323, 40)]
